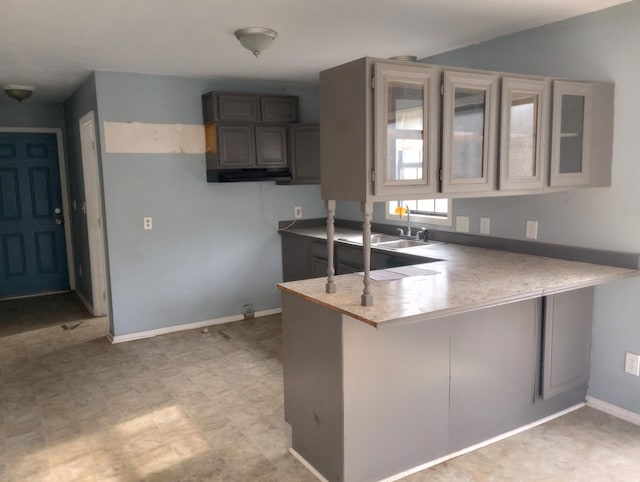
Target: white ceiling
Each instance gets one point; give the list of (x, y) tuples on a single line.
[(54, 45)]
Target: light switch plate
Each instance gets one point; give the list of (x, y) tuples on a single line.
[(485, 225), (532, 230), (462, 224)]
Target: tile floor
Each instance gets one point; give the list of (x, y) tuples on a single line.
[(208, 406)]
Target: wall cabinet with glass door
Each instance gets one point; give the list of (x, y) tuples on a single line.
[(469, 122), (524, 124), (381, 138), (405, 130)]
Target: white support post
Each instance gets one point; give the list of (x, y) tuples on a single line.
[(367, 210), (331, 212)]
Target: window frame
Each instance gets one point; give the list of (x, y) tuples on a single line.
[(421, 218)]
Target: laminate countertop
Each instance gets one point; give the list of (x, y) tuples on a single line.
[(464, 279)]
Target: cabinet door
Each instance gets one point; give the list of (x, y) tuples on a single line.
[(236, 146), (271, 146), (567, 341), (319, 267), (237, 108), (570, 133), (295, 257), (406, 130), (304, 153), (523, 139), (279, 108), (469, 132)]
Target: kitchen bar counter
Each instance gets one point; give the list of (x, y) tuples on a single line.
[(465, 279)]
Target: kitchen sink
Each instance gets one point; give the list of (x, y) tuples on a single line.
[(382, 238), (399, 244)]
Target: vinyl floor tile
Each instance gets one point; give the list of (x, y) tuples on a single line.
[(208, 406)]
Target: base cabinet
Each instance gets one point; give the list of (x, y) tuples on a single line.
[(367, 404), (566, 341)]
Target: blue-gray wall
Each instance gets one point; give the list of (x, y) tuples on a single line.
[(82, 101), (605, 46), (30, 114), (213, 247)]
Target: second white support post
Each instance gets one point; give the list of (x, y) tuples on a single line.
[(367, 210)]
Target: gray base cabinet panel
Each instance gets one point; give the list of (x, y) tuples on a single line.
[(312, 360), (396, 397), (366, 404), (492, 371), (567, 341)]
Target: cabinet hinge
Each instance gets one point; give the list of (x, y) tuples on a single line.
[(373, 176), (440, 174), (441, 89), (373, 82)]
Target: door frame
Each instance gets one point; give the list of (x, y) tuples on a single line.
[(64, 189), (94, 216)]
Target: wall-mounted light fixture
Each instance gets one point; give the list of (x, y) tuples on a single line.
[(18, 92), (256, 39)]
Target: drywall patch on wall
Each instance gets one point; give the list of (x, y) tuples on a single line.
[(148, 138)]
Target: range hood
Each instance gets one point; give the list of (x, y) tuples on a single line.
[(244, 175)]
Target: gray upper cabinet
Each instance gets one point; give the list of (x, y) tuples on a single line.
[(246, 146), (524, 123), (406, 134), (237, 147), (304, 153), (230, 107), (247, 107), (387, 134), (271, 146), (570, 134), (469, 128), (282, 109)]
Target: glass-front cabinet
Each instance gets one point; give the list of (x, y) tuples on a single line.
[(469, 126), (570, 134), (405, 119), (523, 134)]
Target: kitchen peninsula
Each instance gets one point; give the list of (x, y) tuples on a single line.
[(452, 353)]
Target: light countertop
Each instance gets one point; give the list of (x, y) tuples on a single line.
[(466, 279)]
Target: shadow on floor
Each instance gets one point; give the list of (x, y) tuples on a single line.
[(26, 314)]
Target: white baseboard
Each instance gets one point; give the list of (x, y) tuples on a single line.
[(481, 444), (140, 335), (614, 410), (309, 467)]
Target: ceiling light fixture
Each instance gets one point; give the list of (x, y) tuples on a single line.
[(18, 92), (256, 39)]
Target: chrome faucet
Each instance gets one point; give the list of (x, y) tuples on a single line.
[(408, 220)]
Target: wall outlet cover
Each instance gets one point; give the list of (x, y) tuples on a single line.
[(485, 226), (462, 224), (297, 212), (248, 311), (532, 230), (148, 223), (632, 364)]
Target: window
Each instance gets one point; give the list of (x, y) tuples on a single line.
[(423, 211)]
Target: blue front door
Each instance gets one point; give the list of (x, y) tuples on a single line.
[(33, 255)]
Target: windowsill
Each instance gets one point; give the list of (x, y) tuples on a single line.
[(421, 219)]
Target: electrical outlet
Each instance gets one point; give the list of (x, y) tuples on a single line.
[(297, 212), (462, 224), (485, 226), (532, 230), (248, 311), (632, 364), (148, 223)]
